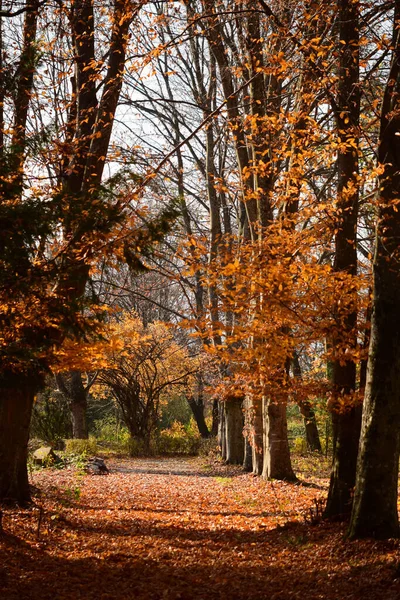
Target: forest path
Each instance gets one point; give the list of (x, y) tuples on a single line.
[(179, 528)]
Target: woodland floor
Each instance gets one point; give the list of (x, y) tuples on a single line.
[(180, 529)]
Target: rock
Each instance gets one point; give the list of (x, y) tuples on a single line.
[(96, 466), (45, 456)]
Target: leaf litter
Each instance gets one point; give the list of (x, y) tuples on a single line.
[(180, 528)]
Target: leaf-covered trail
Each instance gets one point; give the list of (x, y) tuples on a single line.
[(174, 529)]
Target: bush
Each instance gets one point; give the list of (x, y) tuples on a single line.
[(99, 410), (139, 448), (80, 447), (299, 445), (179, 439), (110, 429), (209, 447), (177, 409), (51, 418)]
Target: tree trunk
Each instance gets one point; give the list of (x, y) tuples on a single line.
[(78, 399), (375, 499), (346, 419), (234, 431), (310, 424), (222, 429), (16, 405), (277, 464), (257, 439), (215, 419), (71, 386), (248, 456), (346, 431), (198, 414)]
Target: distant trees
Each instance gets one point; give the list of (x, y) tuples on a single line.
[(145, 365)]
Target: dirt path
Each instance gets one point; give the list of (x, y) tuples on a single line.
[(178, 529)]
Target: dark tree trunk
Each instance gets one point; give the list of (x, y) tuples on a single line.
[(215, 419), (222, 429), (277, 463), (248, 456), (310, 424), (198, 414), (346, 420), (78, 399), (375, 499), (16, 405), (234, 431), (71, 385), (306, 410), (346, 432)]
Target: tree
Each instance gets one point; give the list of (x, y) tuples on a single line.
[(375, 499), (52, 233), (345, 414), (144, 364), (75, 393)]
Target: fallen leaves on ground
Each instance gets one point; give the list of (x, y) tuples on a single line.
[(181, 529)]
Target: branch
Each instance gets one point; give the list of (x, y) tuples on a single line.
[(20, 11), (194, 132)]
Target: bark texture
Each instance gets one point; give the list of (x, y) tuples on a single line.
[(71, 385), (375, 500), (347, 422), (277, 463), (257, 440), (197, 407), (310, 424), (234, 431), (16, 403)]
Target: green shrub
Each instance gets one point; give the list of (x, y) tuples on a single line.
[(138, 447), (51, 418), (299, 445), (177, 409), (179, 439), (110, 429), (81, 447), (99, 410)]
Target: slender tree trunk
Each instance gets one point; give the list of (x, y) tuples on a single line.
[(198, 414), (365, 345), (215, 418), (277, 463), (234, 431), (346, 432), (346, 419), (257, 437), (248, 453), (310, 423), (375, 500), (222, 429), (247, 456), (71, 385), (78, 400), (16, 405)]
